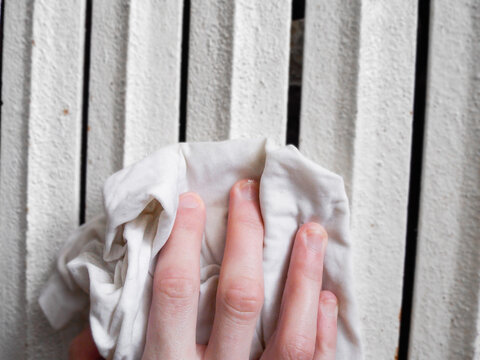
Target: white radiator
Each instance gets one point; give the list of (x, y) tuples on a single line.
[(92, 86)]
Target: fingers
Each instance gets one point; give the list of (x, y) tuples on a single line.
[(326, 327), (307, 325), (173, 313), (240, 290), (83, 347), (295, 335)]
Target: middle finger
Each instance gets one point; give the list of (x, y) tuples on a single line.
[(240, 289)]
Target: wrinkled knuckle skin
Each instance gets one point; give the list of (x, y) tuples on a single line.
[(297, 348), (176, 289), (243, 299)]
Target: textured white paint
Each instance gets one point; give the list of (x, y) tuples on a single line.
[(381, 167), (261, 50), (134, 86), (40, 163), (16, 63), (106, 108), (357, 99), (238, 69), (153, 77), (329, 84), (53, 168), (209, 69), (356, 120), (446, 295)]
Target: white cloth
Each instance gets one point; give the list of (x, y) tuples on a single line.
[(109, 261)]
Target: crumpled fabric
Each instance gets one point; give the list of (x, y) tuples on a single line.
[(108, 263)]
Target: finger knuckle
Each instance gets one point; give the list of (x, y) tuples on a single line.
[(298, 348), (176, 288), (243, 299)]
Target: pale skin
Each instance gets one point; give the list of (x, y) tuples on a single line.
[(307, 323)]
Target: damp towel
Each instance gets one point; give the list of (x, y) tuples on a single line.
[(109, 261)]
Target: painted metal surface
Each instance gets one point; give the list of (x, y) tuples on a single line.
[(43, 128), (53, 167), (329, 84), (106, 108), (357, 101), (445, 323), (238, 69), (153, 77), (134, 86), (13, 176), (357, 98)]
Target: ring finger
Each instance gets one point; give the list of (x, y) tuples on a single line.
[(295, 335)]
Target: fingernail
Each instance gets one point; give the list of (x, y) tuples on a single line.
[(249, 190), (314, 239), (189, 201), (330, 308)]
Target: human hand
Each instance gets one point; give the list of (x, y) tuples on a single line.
[(83, 347), (307, 324)]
